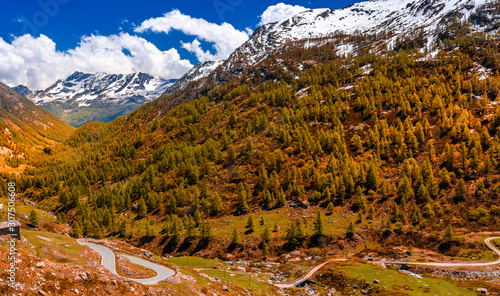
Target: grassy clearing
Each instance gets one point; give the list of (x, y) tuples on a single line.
[(257, 287), (186, 264), (55, 247), (335, 224), (194, 262), (480, 255), (124, 266), (222, 227), (395, 281), (25, 209)]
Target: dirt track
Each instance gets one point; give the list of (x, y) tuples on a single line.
[(487, 241)]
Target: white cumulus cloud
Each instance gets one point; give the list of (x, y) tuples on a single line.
[(225, 37), (36, 63), (279, 12)]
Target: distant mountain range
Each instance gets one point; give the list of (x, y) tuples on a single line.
[(83, 97)]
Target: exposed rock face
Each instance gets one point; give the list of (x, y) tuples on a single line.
[(198, 72)]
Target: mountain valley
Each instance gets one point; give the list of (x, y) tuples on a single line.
[(336, 152)]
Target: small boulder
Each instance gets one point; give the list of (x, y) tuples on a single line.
[(41, 292), (147, 253), (225, 288), (376, 281), (76, 291), (482, 290), (83, 276), (40, 264), (113, 282)]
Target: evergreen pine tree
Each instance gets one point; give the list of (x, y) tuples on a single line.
[(330, 208), (234, 237), (176, 237), (416, 217), (262, 179), (171, 205), (318, 226), (281, 198), (122, 229), (371, 211), (189, 225), (267, 199), (394, 212), (33, 218), (350, 229), (142, 209), (250, 224), (266, 235), (487, 167), (372, 176), (197, 217), (77, 230), (216, 204), (265, 248), (461, 190), (207, 232), (242, 202), (448, 234)]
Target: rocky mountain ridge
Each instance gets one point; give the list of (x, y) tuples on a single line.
[(84, 97), (388, 22)]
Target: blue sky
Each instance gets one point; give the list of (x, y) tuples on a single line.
[(45, 40)]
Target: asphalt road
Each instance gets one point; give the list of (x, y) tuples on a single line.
[(108, 261)]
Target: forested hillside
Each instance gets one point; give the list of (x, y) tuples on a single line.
[(25, 129), (403, 145)]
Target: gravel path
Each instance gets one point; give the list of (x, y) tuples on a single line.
[(487, 241)]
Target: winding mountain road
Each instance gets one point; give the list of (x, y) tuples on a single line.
[(108, 261), (461, 264), (304, 278), (487, 241)]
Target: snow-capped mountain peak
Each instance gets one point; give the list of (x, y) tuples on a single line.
[(84, 97), (399, 17), (117, 88), (387, 20)]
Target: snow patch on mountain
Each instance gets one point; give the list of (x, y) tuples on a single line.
[(198, 72)]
